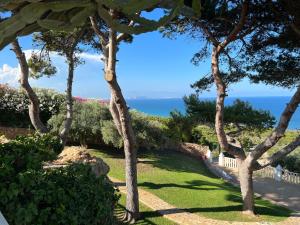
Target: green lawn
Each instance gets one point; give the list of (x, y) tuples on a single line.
[(186, 183), (148, 216)]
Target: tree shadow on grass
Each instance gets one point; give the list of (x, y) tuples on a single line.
[(110, 152), (175, 161), (193, 185), (259, 210), (262, 207), (169, 160), (179, 162)]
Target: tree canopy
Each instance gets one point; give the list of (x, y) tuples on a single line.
[(240, 113), (26, 17)]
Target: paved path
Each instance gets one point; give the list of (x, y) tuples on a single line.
[(179, 216)]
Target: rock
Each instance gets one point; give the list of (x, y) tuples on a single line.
[(80, 155), (3, 139)]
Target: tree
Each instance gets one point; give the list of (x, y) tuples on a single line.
[(65, 44), (224, 25), (241, 114), (109, 41), (38, 15), (34, 109), (118, 27)]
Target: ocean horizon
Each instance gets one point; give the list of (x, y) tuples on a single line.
[(163, 106)]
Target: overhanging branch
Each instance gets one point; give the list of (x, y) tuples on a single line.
[(283, 152)]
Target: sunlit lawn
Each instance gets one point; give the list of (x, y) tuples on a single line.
[(186, 183)]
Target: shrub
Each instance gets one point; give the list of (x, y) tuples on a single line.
[(87, 121), (205, 135), (26, 153), (14, 106), (180, 127), (70, 195), (93, 124), (47, 142), (291, 163), (150, 132), (110, 134)]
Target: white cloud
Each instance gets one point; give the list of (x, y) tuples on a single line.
[(92, 57), (83, 55), (9, 75)]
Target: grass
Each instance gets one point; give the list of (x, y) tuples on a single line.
[(148, 216), (186, 183)]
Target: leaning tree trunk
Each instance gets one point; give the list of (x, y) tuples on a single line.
[(245, 171), (34, 110), (69, 102), (132, 201), (122, 119)]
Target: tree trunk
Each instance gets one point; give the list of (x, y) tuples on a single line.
[(246, 185), (82, 141), (221, 94), (132, 201), (69, 101), (115, 114), (122, 121), (34, 110), (245, 171)]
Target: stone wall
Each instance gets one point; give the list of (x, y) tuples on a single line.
[(195, 150), (11, 133), (199, 152)]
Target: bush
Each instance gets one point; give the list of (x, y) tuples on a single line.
[(46, 142), (88, 118), (14, 106), (70, 195), (110, 134), (205, 135), (93, 124), (291, 163), (27, 153), (150, 132), (180, 127)]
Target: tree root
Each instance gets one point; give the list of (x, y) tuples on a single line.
[(130, 217)]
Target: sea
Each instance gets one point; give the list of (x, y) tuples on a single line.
[(163, 107)]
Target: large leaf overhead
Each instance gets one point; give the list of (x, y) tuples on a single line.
[(64, 15)]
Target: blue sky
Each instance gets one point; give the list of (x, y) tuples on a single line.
[(151, 67)]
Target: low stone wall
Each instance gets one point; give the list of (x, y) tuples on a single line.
[(199, 152), (195, 150), (11, 133)]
